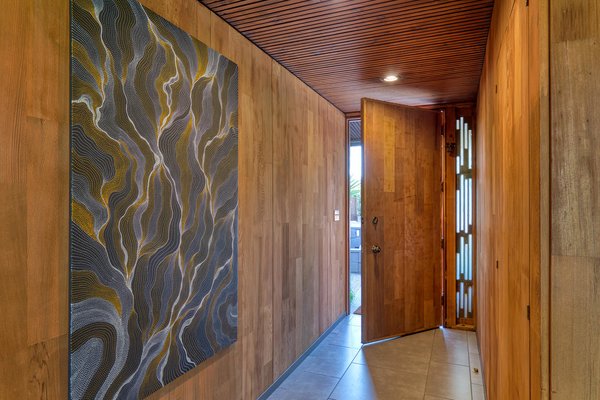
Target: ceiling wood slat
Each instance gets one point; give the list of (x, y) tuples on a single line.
[(351, 19), (410, 41), (342, 13), (342, 48)]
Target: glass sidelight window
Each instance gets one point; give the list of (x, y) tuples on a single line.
[(464, 220)]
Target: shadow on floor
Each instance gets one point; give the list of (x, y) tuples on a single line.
[(434, 365)]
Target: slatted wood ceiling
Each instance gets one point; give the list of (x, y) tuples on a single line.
[(343, 48)]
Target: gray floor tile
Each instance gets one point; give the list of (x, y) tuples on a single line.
[(475, 367), (311, 385), (474, 359), (478, 392), (448, 381), (345, 335), (283, 394), (432, 365), (472, 339), (410, 354), (334, 367), (450, 349), (452, 335), (450, 356), (326, 350), (361, 382)]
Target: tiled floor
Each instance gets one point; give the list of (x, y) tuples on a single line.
[(433, 365)]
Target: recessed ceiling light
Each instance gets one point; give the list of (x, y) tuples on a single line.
[(390, 78)]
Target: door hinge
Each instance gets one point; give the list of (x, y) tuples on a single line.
[(443, 243), (442, 185), (528, 313), (526, 3), (443, 300)]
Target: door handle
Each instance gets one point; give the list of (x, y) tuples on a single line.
[(376, 249)]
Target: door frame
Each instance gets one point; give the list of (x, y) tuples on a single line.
[(448, 112)]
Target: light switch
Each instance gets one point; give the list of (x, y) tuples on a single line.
[(336, 215)]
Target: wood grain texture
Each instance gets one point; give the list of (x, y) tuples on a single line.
[(34, 174), (574, 335), (575, 201), (305, 239), (343, 48), (34, 159), (449, 219), (539, 167), (402, 163), (508, 202)]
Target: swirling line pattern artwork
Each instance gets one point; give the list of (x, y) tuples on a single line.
[(154, 200)]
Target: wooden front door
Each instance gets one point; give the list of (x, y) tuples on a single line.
[(402, 254)]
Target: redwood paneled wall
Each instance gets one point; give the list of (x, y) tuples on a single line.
[(575, 199), (291, 179), (508, 203), (538, 201)]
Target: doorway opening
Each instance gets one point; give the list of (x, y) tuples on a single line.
[(354, 214)]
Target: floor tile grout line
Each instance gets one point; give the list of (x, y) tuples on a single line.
[(470, 368), (332, 344), (346, 347), (450, 363), (339, 380), (298, 368), (390, 340), (429, 363), (318, 373), (321, 374), (345, 371), (389, 369), (356, 351)]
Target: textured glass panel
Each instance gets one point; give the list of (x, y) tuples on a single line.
[(464, 219), (457, 305)]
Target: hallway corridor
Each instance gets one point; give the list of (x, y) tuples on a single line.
[(219, 199), (433, 365)]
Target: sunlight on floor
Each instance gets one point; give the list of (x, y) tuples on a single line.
[(434, 365)]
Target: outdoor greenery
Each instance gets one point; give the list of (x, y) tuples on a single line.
[(355, 193)]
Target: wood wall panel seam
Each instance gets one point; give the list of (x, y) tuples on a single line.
[(507, 217), (35, 178), (268, 55)]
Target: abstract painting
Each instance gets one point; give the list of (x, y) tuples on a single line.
[(154, 200)]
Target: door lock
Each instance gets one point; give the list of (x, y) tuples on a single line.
[(376, 249)]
